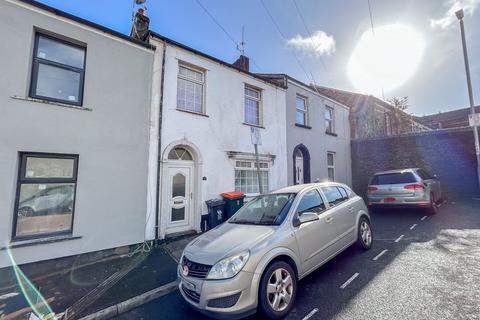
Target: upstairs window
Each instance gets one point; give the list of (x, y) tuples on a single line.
[(190, 86), (58, 70), (301, 115), (252, 106), (329, 119)]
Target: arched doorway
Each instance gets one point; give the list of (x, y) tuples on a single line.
[(179, 191), (301, 165)]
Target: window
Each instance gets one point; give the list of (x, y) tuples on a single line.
[(301, 115), (311, 202), (246, 179), (58, 70), (343, 192), (179, 153), (329, 120), (331, 166), (190, 89), (45, 195), (424, 174), (252, 106), (333, 195), (394, 178)]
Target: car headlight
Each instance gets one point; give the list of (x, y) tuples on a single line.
[(229, 267)]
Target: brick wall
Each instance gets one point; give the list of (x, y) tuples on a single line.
[(448, 153)]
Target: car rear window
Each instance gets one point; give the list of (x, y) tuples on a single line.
[(393, 178)]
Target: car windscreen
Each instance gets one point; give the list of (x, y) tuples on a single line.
[(393, 178), (270, 209)]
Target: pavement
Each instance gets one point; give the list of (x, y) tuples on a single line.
[(420, 267)]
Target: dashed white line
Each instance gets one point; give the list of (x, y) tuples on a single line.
[(308, 316), (399, 238), (379, 255), (343, 286), (413, 226), (423, 218)]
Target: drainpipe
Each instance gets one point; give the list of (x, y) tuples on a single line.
[(159, 153)]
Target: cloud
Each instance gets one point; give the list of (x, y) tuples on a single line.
[(318, 44), (449, 17)]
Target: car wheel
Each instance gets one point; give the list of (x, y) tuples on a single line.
[(26, 212), (278, 289), (365, 236), (432, 209)]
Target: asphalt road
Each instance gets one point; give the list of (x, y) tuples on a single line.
[(420, 267)]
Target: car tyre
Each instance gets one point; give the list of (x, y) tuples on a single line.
[(432, 209), (278, 289), (365, 235)]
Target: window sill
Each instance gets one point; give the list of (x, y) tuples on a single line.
[(51, 103), (331, 134), (253, 125), (193, 112), (37, 241), (302, 126)]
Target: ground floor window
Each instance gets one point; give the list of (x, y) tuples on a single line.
[(246, 179), (45, 198), (331, 166)]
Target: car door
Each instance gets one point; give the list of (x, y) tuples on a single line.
[(432, 184), (341, 208), (315, 239)]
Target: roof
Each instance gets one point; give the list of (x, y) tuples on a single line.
[(227, 64), (349, 98), (396, 171), (299, 187), (87, 23), (450, 119)]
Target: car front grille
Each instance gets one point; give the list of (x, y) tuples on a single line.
[(192, 295), (224, 302), (196, 270)]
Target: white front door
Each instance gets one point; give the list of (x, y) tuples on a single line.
[(299, 169), (179, 198)]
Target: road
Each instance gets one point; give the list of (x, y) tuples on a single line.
[(420, 267)]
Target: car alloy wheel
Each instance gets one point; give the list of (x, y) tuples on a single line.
[(365, 235), (280, 289)]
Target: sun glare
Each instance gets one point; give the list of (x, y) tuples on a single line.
[(386, 59)]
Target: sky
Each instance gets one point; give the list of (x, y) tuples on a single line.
[(413, 50)]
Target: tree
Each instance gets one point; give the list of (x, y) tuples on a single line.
[(401, 121)]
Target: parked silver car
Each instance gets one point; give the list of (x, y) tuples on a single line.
[(255, 259), (404, 188)]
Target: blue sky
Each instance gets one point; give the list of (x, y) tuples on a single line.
[(437, 84)]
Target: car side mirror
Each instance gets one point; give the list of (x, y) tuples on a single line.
[(435, 176), (304, 218)]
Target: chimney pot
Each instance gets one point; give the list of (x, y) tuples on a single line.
[(243, 63)]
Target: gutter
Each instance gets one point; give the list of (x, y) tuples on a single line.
[(159, 152)]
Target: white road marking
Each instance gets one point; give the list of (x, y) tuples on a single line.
[(399, 238), (453, 202), (379, 255), (343, 286), (423, 218), (9, 295), (413, 226), (308, 316)]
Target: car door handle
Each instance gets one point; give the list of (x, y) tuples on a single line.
[(350, 209), (329, 220)]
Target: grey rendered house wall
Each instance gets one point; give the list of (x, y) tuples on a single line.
[(315, 139), (110, 133)]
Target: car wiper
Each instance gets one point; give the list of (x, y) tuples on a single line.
[(242, 222)]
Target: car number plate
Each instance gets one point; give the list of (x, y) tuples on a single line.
[(189, 285)]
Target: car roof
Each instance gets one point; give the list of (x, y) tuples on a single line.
[(300, 187), (396, 171)]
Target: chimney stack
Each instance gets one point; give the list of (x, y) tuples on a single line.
[(242, 63), (140, 26)]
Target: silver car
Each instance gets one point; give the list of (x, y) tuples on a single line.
[(404, 188), (255, 259)]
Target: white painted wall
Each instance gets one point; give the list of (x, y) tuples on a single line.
[(222, 128)]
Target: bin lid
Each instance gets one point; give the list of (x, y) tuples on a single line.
[(215, 202), (233, 195)]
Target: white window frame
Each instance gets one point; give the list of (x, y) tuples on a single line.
[(304, 111), (332, 120), (331, 166), (251, 166), (195, 81), (259, 102)]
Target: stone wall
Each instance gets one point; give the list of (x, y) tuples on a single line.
[(450, 154)]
